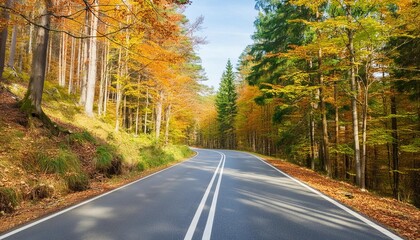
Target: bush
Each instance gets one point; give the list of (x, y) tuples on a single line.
[(64, 162), (103, 158), (154, 156), (179, 152), (141, 166), (77, 181), (41, 191), (9, 199), (107, 160)]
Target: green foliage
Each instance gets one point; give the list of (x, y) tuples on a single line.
[(67, 165), (378, 136), (179, 151), (104, 156), (154, 156), (9, 199), (281, 112), (414, 147), (342, 149), (275, 33), (141, 166), (107, 160), (64, 161), (226, 106), (293, 141)]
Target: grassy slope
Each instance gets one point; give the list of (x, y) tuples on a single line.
[(41, 169)]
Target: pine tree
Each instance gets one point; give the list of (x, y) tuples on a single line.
[(227, 108)]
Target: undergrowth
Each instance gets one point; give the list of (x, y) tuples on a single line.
[(154, 156), (64, 161), (9, 199), (107, 160)]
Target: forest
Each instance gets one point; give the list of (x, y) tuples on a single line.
[(330, 85), (124, 60), (95, 94), (92, 90)]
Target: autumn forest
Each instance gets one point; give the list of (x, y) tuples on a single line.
[(330, 85), (117, 86)]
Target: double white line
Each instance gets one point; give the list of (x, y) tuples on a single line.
[(210, 218)]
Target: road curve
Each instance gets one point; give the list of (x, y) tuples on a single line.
[(219, 194)]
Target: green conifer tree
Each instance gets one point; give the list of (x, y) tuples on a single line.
[(226, 108)]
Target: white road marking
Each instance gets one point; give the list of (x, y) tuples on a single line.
[(346, 209), (210, 219), (85, 202), (196, 218)]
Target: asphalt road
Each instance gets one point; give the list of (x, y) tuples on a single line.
[(215, 195)]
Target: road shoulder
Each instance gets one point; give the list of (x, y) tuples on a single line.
[(400, 217)]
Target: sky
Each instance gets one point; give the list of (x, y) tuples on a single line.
[(227, 27)]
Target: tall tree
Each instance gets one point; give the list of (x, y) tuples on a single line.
[(226, 107), (32, 101), (92, 67)]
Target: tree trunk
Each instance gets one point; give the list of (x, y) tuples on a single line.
[(364, 136), (312, 138), (119, 93), (72, 60), (91, 81), (146, 110), (124, 113), (60, 61), (5, 15), (102, 82), (355, 121), (85, 62), (49, 56), (388, 146), (31, 30), (168, 118), (159, 106), (137, 116), (107, 84), (79, 63), (254, 139), (337, 129), (33, 97), (395, 150), (325, 141), (13, 47), (31, 103)]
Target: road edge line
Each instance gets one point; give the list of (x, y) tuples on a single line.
[(36, 222), (379, 228)]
